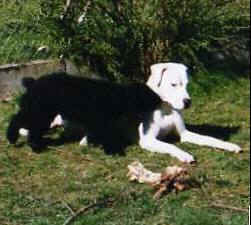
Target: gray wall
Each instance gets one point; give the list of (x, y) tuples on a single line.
[(11, 75)]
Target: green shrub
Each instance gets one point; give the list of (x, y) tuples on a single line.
[(122, 38)]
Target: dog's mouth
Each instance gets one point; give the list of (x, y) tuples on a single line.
[(187, 103), (181, 108)]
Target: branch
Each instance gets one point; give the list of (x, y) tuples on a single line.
[(116, 17), (244, 28), (86, 209), (68, 207), (230, 208), (66, 9), (82, 17)]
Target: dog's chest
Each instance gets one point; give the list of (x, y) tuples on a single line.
[(165, 118), (166, 109)]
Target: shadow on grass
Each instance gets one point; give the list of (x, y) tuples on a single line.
[(113, 143), (222, 133)]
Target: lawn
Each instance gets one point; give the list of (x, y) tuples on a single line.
[(46, 188)]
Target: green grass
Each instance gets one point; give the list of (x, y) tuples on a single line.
[(22, 47), (35, 189), (21, 34)]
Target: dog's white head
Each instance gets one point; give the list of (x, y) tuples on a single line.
[(169, 81)]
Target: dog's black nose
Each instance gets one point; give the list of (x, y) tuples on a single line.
[(187, 103)]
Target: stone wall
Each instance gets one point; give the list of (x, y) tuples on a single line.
[(11, 75)]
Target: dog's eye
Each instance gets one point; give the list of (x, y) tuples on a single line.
[(174, 85)]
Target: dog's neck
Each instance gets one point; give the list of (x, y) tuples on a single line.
[(165, 106), (151, 85), (168, 109)]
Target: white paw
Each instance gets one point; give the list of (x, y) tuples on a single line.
[(233, 148), (57, 122), (186, 158), (84, 141), (23, 132)]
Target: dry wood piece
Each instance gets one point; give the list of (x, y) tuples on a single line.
[(7, 100), (173, 178), (137, 172), (221, 206), (85, 210)]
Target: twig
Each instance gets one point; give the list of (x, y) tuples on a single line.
[(68, 207), (66, 9), (83, 16), (229, 208), (55, 148), (85, 209), (244, 28)]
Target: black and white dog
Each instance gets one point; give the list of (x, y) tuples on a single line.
[(98, 105)]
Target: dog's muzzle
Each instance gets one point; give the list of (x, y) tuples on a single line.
[(187, 103)]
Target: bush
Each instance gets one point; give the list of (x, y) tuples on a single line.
[(122, 38)]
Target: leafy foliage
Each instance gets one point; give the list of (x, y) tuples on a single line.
[(122, 38)]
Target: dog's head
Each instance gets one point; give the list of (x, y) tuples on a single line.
[(169, 81)]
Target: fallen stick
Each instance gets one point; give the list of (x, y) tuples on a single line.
[(66, 9), (229, 208), (68, 207), (86, 209)]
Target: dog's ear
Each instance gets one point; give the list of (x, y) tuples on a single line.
[(157, 73), (161, 76)]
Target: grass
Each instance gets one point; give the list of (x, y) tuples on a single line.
[(21, 47), (38, 189), (21, 35)]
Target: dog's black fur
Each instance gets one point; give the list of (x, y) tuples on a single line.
[(94, 104)]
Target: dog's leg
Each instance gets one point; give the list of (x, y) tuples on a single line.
[(39, 125), (157, 146), (187, 136), (84, 141), (149, 141), (57, 122), (35, 140), (16, 123), (190, 137), (23, 132)]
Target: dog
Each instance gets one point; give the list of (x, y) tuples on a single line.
[(169, 81), (158, 107), (97, 105)]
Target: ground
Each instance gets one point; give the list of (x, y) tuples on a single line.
[(42, 189)]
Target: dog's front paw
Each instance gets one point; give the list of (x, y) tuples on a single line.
[(233, 148), (186, 158), (57, 122), (23, 132), (84, 141)]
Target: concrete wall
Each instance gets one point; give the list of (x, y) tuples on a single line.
[(11, 74)]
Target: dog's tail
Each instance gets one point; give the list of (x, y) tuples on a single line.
[(28, 82), (16, 123)]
